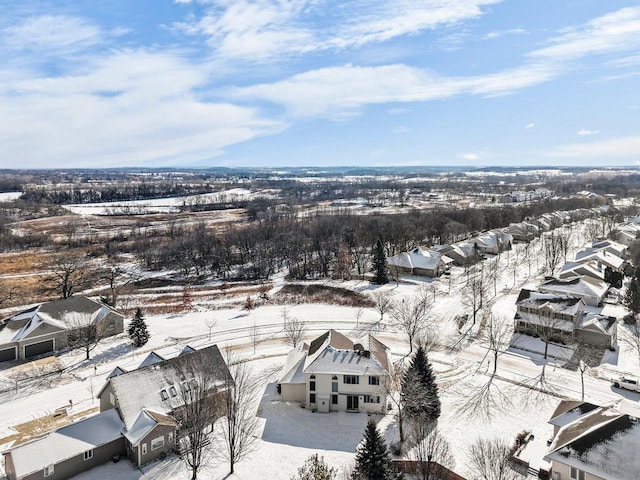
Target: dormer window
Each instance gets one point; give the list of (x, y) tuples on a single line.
[(173, 391), (164, 395)]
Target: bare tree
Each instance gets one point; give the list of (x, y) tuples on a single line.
[(118, 277), (551, 328), (474, 292), (85, 332), (411, 315), (70, 231), (210, 323), (431, 450), (393, 387), (632, 337), (496, 336), (294, 330), (240, 424), (383, 303), (6, 293), (196, 408), (69, 273), (554, 249), (584, 358), (491, 460)]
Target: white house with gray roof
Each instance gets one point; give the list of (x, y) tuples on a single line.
[(334, 373)]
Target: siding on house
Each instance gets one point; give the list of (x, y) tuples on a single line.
[(160, 431)]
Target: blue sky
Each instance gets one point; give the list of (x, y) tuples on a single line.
[(154, 83)]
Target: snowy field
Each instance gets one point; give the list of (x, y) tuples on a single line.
[(159, 205), (522, 396), (9, 196)]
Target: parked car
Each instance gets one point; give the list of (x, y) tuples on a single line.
[(626, 382)]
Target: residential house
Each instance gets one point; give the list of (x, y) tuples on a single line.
[(590, 290), (137, 419), (148, 397), (420, 261), (602, 258), (627, 233), (609, 246), (67, 451), (493, 242), (594, 444), (565, 316), (48, 327), (333, 373), (523, 231), (582, 269)]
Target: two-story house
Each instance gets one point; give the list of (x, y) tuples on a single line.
[(333, 373)]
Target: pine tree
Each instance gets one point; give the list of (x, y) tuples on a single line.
[(372, 457), (419, 388), (632, 296), (379, 264), (138, 332), (315, 468)]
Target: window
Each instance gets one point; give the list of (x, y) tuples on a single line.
[(351, 379), (312, 398), (186, 387), (312, 383), (334, 384), (144, 448), (163, 394), (48, 470), (577, 474), (157, 443), (374, 380), (334, 399), (173, 391), (171, 437), (371, 399), (88, 454)]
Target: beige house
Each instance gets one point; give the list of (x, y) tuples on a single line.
[(593, 443), (48, 327), (334, 373)]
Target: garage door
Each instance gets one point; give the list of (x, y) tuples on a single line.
[(38, 348), (8, 354)]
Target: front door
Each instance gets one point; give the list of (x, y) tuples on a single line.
[(352, 402)]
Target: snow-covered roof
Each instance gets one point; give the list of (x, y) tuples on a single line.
[(602, 256), (418, 258), (603, 443), (576, 269), (146, 421), (351, 362), (151, 359), (66, 442), (598, 323), (613, 247), (292, 372), (557, 303), (61, 314), (569, 411), (141, 388), (577, 286)]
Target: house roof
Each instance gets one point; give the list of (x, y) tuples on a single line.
[(141, 388), (577, 269), (578, 286), (602, 442), (553, 301), (62, 314), (602, 256), (332, 352), (419, 258), (570, 410), (147, 420), (66, 442), (151, 359)]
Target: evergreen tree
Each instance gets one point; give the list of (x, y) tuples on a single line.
[(379, 264), (315, 468), (632, 296), (419, 388), (372, 457), (138, 332)]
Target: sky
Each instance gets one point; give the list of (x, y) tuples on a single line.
[(267, 83)]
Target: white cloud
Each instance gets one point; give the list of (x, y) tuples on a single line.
[(130, 108), (502, 33), (530, 125), (618, 31), (398, 111), (618, 148), (261, 30), (469, 156), (586, 132), (401, 129), (51, 34)]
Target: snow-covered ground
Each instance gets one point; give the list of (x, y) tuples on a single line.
[(159, 205), (9, 196), (522, 396)]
